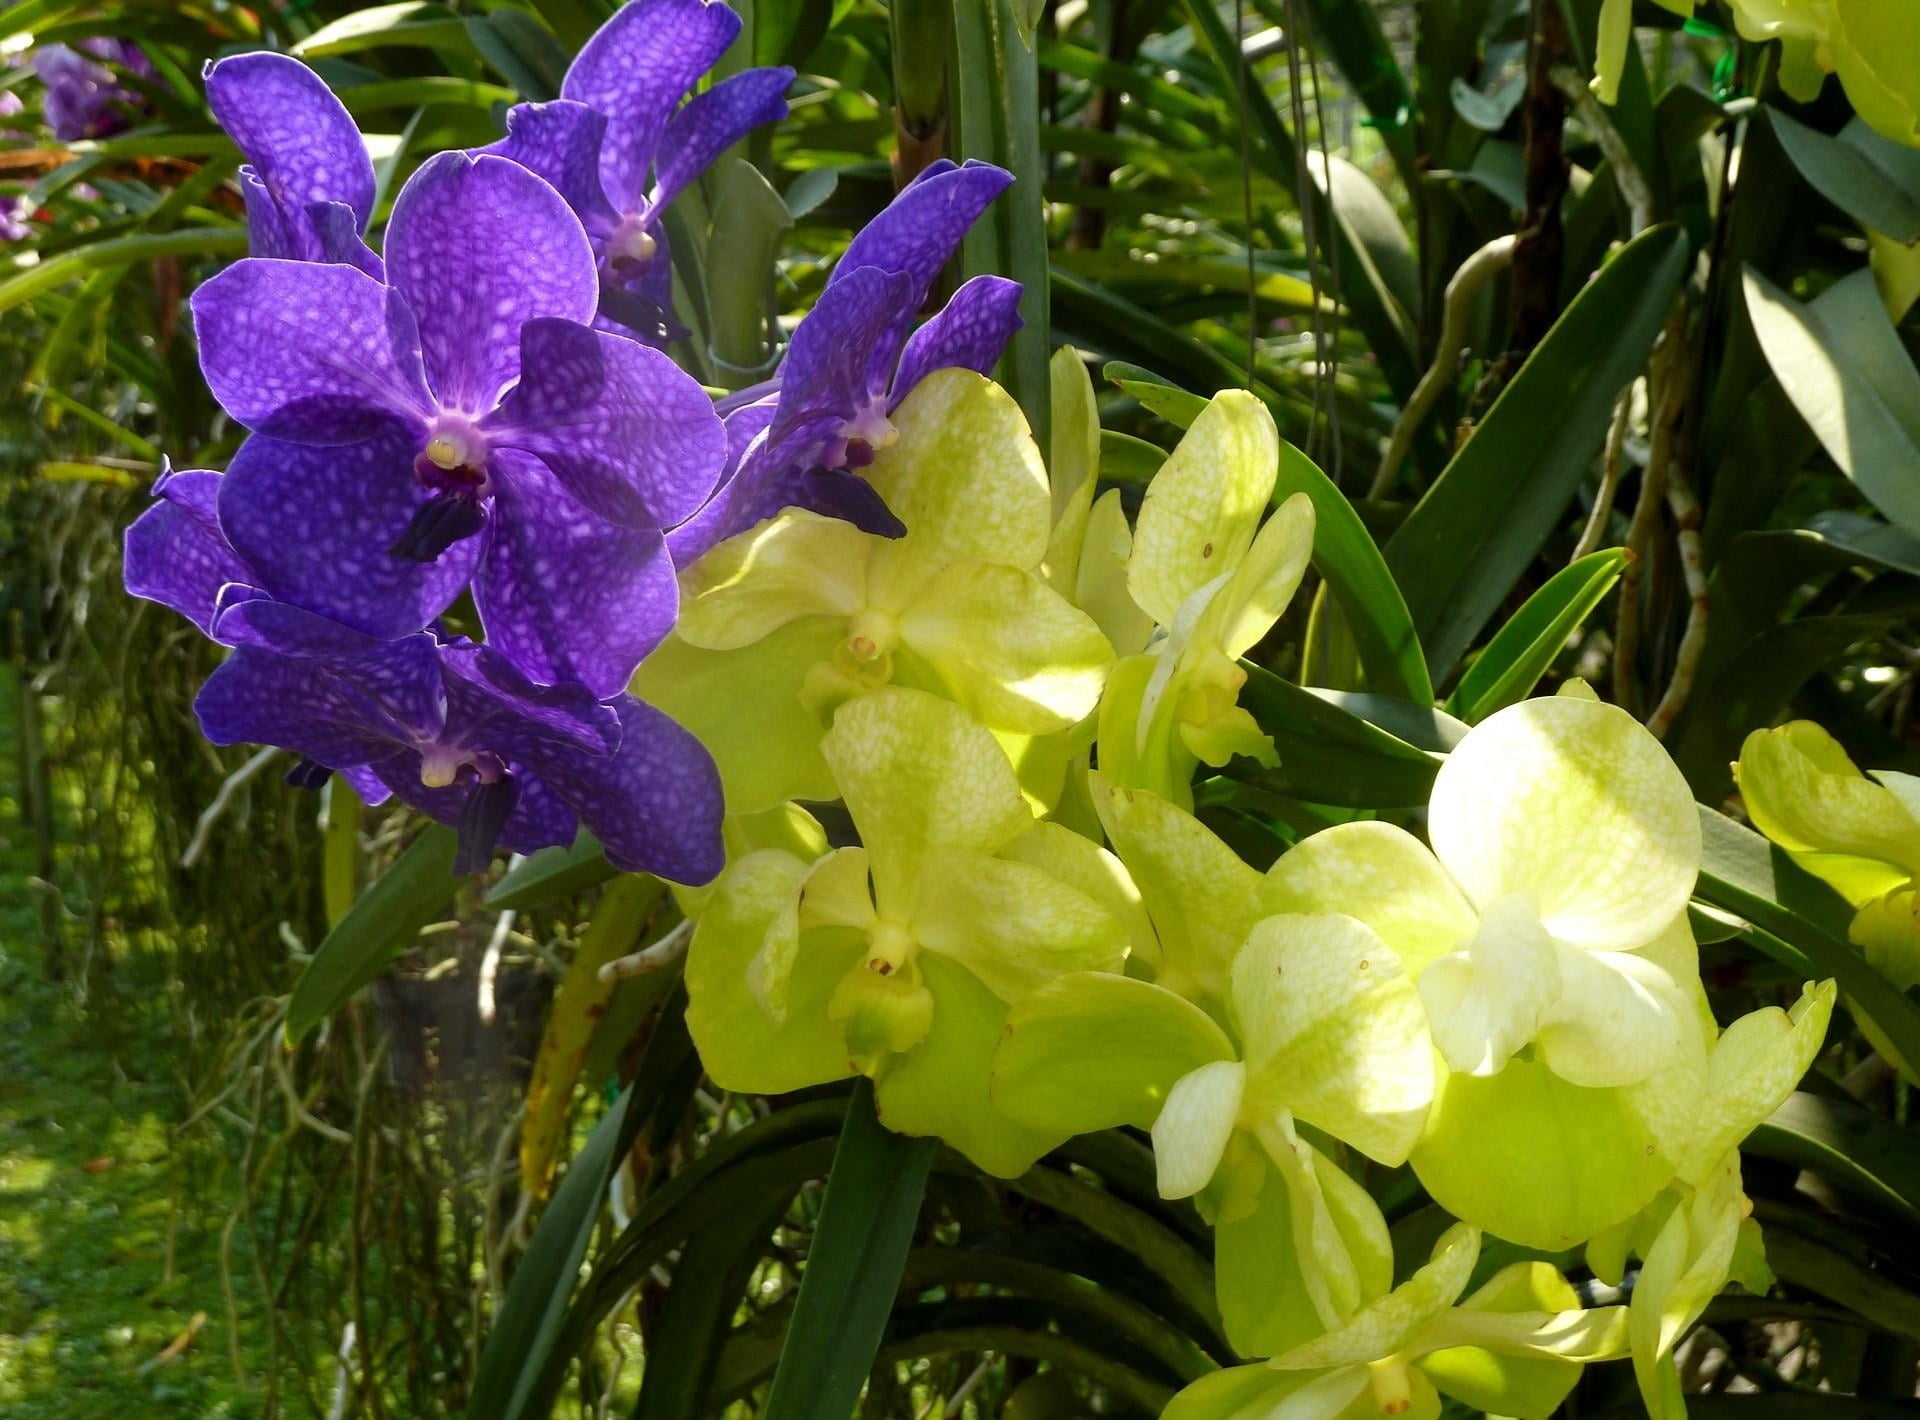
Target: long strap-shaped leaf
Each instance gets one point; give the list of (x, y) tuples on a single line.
[(853, 1269)]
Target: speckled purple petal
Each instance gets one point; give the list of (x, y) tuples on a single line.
[(299, 138), (641, 308), (970, 333), (566, 595), (269, 231), (174, 552), (479, 247), (495, 705), (655, 806), (710, 123), (257, 697), (922, 227), (624, 429), (314, 354), (337, 231), (366, 782), (825, 370), (315, 526), (402, 676), (635, 71), (560, 141), (540, 817)]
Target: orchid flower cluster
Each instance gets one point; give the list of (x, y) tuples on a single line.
[(864, 583), (1023, 947), (483, 408)]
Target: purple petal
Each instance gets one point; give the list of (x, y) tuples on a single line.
[(479, 247), (641, 307), (401, 676), (624, 429), (824, 376), (175, 554), (367, 784), (566, 595), (970, 333), (302, 144), (922, 227), (256, 697), (314, 525), (713, 122), (315, 354), (494, 705), (635, 71), (540, 817), (560, 141), (656, 805), (337, 230)]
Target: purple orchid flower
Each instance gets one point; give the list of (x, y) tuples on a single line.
[(308, 181), (619, 147), (84, 99), (177, 554), (851, 362), (466, 398), (456, 731)]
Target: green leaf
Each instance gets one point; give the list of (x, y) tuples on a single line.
[(749, 219), (1841, 363), (56, 271), (1874, 180), (417, 23), (521, 52), (552, 874), (1743, 873), (1344, 553), (381, 924), (30, 15), (853, 1269), (1329, 755), (1454, 562), (1522, 650), (1125, 459), (1849, 1146), (1157, 393)]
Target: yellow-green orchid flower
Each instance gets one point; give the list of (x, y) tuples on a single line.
[(1858, 833), (1312, 1020), (1546, 929), (897, 959), (1515, 1347), (1215, 580), (1697, 1235), (1868, 43), (787, 621)]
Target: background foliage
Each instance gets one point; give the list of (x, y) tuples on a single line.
[(1515, 330)]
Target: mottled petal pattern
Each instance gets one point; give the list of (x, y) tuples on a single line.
[(713, 122), (497, 705), (479, 247), (922, 227), (970, 332), (297, 136), (825, 371), (175, 554), (257, 697), (565, 594), (624, 429), (314, 525), (635, 70), (560, 141), (314, 354)]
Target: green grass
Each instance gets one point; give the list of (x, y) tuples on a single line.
[(89, 1296)]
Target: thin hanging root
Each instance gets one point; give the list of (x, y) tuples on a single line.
[(1610, 463), (1685, 508), (1465, 284), (664, 952)]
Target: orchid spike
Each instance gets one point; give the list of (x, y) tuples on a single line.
[(620, 147), (1215, 578), (897, 959), (459, 733), (467, 398), (783, 624), (307, 180), (851, 364)]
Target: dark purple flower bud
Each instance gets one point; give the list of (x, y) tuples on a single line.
[(620, 146), (465, 402), (851, 362), (84, 99), (308, 180), (456, 731)]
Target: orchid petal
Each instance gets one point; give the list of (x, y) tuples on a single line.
[(560, 141), (1199, 1116), (921, 228), (1387, 1326), (174, 552), (1620, 1018), (403, 676), (1264, 582), (256, 697), (1100, 585), (970, 333), (1380, 874), (1751, 1071), (1011, 925), (1082, 863), (1803, 792), (713, 122), (800, 565), (299, 138)]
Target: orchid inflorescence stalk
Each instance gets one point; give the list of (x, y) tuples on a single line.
[(864, 583)]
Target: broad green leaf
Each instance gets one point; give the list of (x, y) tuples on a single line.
[(1327, 754), (1848, 1145), (1125, 459), (552, 874), (381, 924), (1162, 396), (521, 52), (420, 23), (1872, 179), (749, 221), (853, 1267), (1841, 363), (56, 271), (1534, 637), (1454, 563), (30, 15)]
